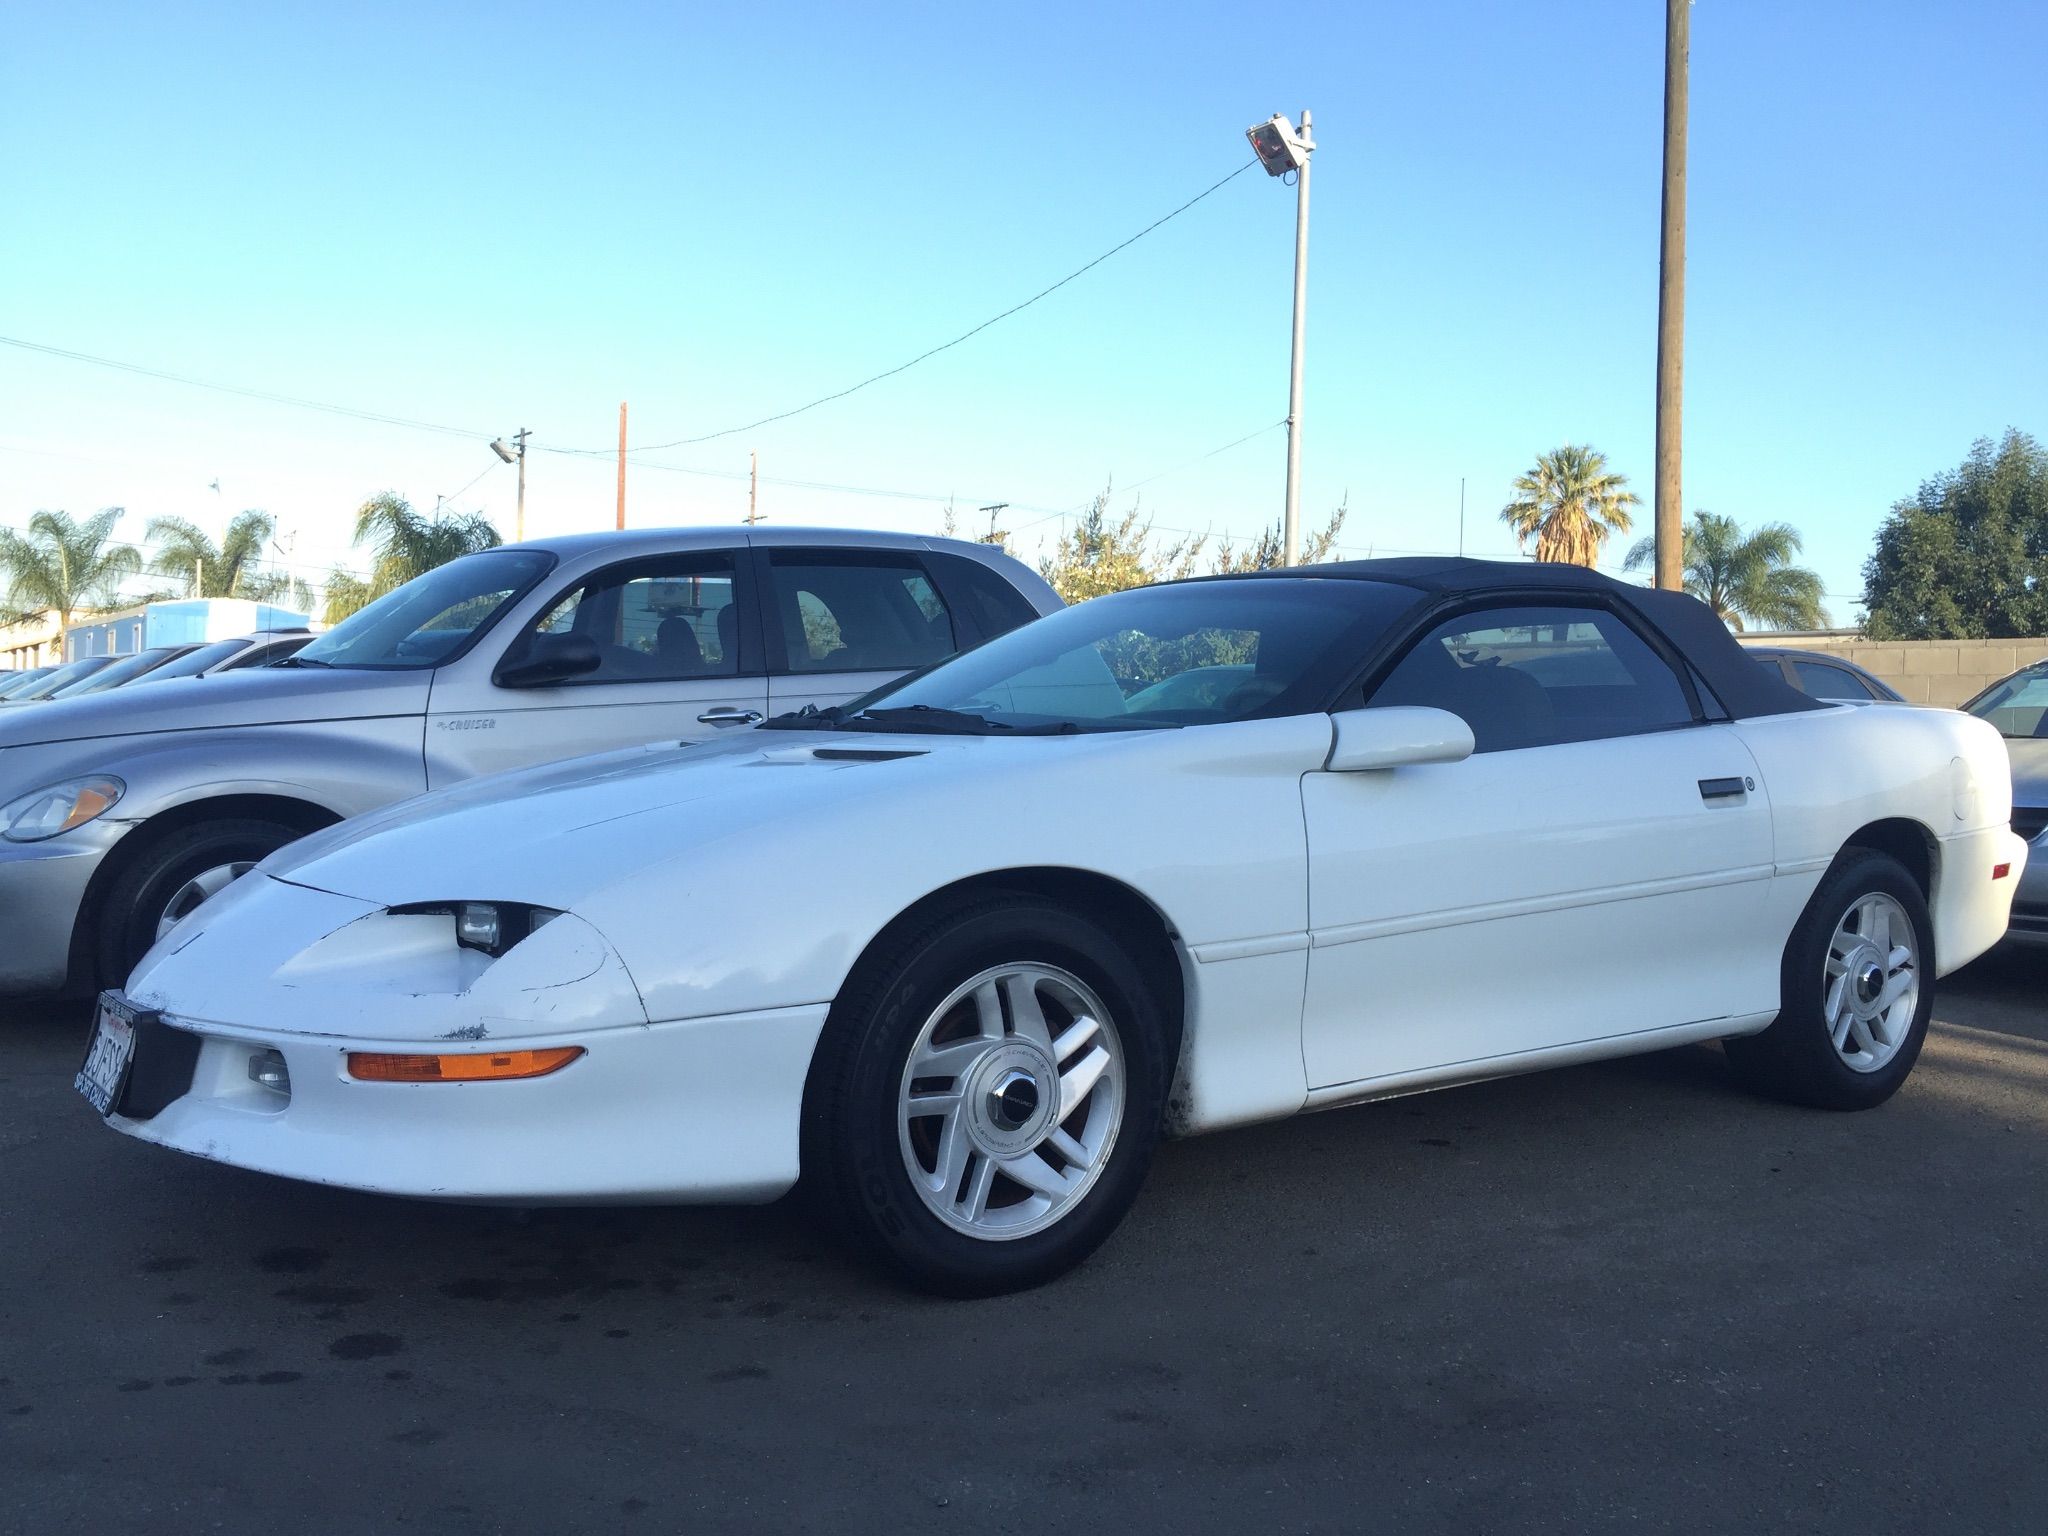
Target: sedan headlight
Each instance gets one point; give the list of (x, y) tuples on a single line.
[(46, 812)]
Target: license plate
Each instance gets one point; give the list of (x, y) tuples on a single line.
[(109, 1055)]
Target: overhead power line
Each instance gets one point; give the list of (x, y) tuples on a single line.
[(944, 346), (236, 389)]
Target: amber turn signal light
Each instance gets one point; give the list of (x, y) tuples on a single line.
[(467, 1067)]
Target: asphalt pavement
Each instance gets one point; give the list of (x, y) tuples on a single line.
[(1617, 1297)]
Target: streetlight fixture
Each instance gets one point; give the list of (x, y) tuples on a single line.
[(519, 457), (1281, 149)]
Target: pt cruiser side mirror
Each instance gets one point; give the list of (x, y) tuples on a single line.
[(1395, 736), (545, 659)]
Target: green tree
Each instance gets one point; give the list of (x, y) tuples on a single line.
[(63, 566), (1266, 551), (1744, 577), (1102, 554), (1569, 504), (1966, 557), (231, 568), (404, 544)]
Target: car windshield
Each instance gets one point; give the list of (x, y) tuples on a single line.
[(431, 617), (2017, 706), (64, 676), (115, 675), (21, 682), (1197, 653), (198, 659)]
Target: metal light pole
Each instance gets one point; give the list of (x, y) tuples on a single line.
[(1281, 149), (1670, 511)]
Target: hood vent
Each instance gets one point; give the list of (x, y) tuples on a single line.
[(790, 757)]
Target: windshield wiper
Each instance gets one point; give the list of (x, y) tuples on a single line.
[(303, 661), (926, 717), (809, 718)]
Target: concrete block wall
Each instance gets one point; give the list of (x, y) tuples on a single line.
[(1943, 672)]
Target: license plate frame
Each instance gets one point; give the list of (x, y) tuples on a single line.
[(109, 1053)]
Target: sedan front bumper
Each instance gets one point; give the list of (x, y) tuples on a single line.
[(686, 1112), (42, 887), (2030, 900)]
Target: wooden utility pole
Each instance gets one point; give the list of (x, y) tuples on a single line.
[(622, 464), (519, 523), (1670, 510), (753, 488)]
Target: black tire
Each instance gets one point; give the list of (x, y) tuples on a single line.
[(1795, 1059), (853, 1163), (138, 899)]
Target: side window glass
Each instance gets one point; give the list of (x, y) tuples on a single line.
[(1825, 682), (1537, 676), (995, 606), (653, 621), (856, 612)]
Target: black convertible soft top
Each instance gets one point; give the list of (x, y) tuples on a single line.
[(1745, 689)]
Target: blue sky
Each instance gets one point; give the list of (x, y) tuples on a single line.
[(507, 215)]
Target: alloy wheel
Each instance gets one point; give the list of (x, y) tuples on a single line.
[(1871, 991), (1011, 1101)]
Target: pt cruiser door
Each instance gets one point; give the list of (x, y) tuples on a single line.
[(1596, 868), (668, 647)]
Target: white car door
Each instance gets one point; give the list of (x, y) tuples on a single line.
[(678, 649), (841, 622), (1598, 867)]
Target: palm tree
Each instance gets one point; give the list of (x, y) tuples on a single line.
[(227, 569), (406, 545), (1744, 577), (1569, 503), (61, 566)]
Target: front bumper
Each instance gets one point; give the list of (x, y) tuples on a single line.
[(2030, 900), (686, 1112), (42, 887)]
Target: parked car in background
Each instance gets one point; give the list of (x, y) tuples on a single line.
[(231, 655), (121, 813), (124, 670), (2017, 707), (960, 953), (1821, 676), (57, 677), (12, 683)]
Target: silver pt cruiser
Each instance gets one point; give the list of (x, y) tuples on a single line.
[(121, 813)]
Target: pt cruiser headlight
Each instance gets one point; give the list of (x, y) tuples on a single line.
[(58, 808)]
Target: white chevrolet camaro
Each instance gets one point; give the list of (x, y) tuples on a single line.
[(960, 953)]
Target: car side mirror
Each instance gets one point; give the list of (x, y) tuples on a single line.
[(1396, 736), (546, 659)]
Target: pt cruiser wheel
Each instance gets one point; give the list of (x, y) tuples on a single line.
[(985, 1100), (1857, 988), (167, 880)]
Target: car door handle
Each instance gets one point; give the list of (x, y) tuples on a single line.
[(727, 715), (1722, 789)]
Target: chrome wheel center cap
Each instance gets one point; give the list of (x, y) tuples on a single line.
[(1012, 1097), (1013, 1100), (1869, 982)]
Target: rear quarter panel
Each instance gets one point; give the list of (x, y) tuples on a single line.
[(1835, 771)]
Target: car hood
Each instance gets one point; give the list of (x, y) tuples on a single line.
[(553, 834), (2029, 757), (261, 696)]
